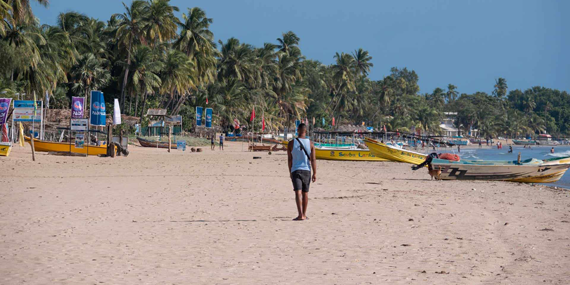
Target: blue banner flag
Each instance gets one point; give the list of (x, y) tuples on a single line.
[(199, 112), (98, 112), (323, 122), (209, 112)]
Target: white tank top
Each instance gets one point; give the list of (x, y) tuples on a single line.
[(300, 160)]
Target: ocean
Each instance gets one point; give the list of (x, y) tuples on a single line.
[(539, 152)]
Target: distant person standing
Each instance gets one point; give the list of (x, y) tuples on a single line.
[(552, 150), (212, 143), (458, 148), (301, 159), (222, 141), (480, 145)]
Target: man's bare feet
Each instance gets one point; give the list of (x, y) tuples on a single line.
[(299, 218)]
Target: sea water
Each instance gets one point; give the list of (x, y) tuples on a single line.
[(538, 152)]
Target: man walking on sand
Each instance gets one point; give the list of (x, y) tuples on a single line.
[(301, 159), (222, 141)]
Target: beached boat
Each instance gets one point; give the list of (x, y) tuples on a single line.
[(344, 152), (529, 171), (524, 142), (155, 144), (351, 154), (5, 148), (458, 142), (45, 146), (394, 153)]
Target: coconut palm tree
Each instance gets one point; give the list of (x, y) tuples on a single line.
[(143, 76), (343, 78), (500, 87), (289, 43), (89, 74), (362, 62), (161, 24), (236, 61), (130, 32), (451, 94), (178, 75)]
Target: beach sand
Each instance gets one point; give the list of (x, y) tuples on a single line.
[(225, 218)]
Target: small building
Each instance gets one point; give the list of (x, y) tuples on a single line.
[(448, 124), (449, 130)]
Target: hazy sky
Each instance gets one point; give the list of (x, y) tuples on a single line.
[(466, 43)]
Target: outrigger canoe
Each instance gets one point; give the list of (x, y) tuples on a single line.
[(155, 144), (5, 148), (529, 171), (393, 153), (45, 146)]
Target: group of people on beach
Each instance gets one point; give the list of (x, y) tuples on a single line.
[(213, 143)]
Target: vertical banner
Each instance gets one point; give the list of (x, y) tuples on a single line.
[(297, 123), (209, 113), (4, 108), (77, 107), (199, 113), (98, 113), (116, 112)]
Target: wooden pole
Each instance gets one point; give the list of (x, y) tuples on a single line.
[(32, 143), (110, 144), (169, 138)]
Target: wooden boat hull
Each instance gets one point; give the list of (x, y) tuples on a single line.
[(5, 149), (547, 172), (346, 154), (44, 146), (147, 143), (394, 154)]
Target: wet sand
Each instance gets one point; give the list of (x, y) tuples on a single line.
[(225, 218)]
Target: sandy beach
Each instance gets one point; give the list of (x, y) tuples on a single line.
[(225, 218)]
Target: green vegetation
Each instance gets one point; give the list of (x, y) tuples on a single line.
[(149, 58)]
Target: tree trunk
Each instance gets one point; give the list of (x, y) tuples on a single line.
[(143, 106), (130, 104), (178, 105), (136, 105), (125, 79)]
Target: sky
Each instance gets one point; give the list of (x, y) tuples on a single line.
[(466, 43)]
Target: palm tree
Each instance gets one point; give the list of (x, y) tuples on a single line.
[(500, 87), (143, 77), (178, 75), (289, 43), (343, 78), (89, 74), (451, 93), (161, 24), (362, 62), (236, 61), (19, 11), (130, 32)]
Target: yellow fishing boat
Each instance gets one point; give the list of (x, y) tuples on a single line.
[(346, 154), (66, 147), (5, 148), (393, 153)]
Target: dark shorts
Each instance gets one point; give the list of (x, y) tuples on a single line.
[(301, 180)]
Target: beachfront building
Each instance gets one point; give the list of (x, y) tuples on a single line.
[(450, 130), (448, 124)]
